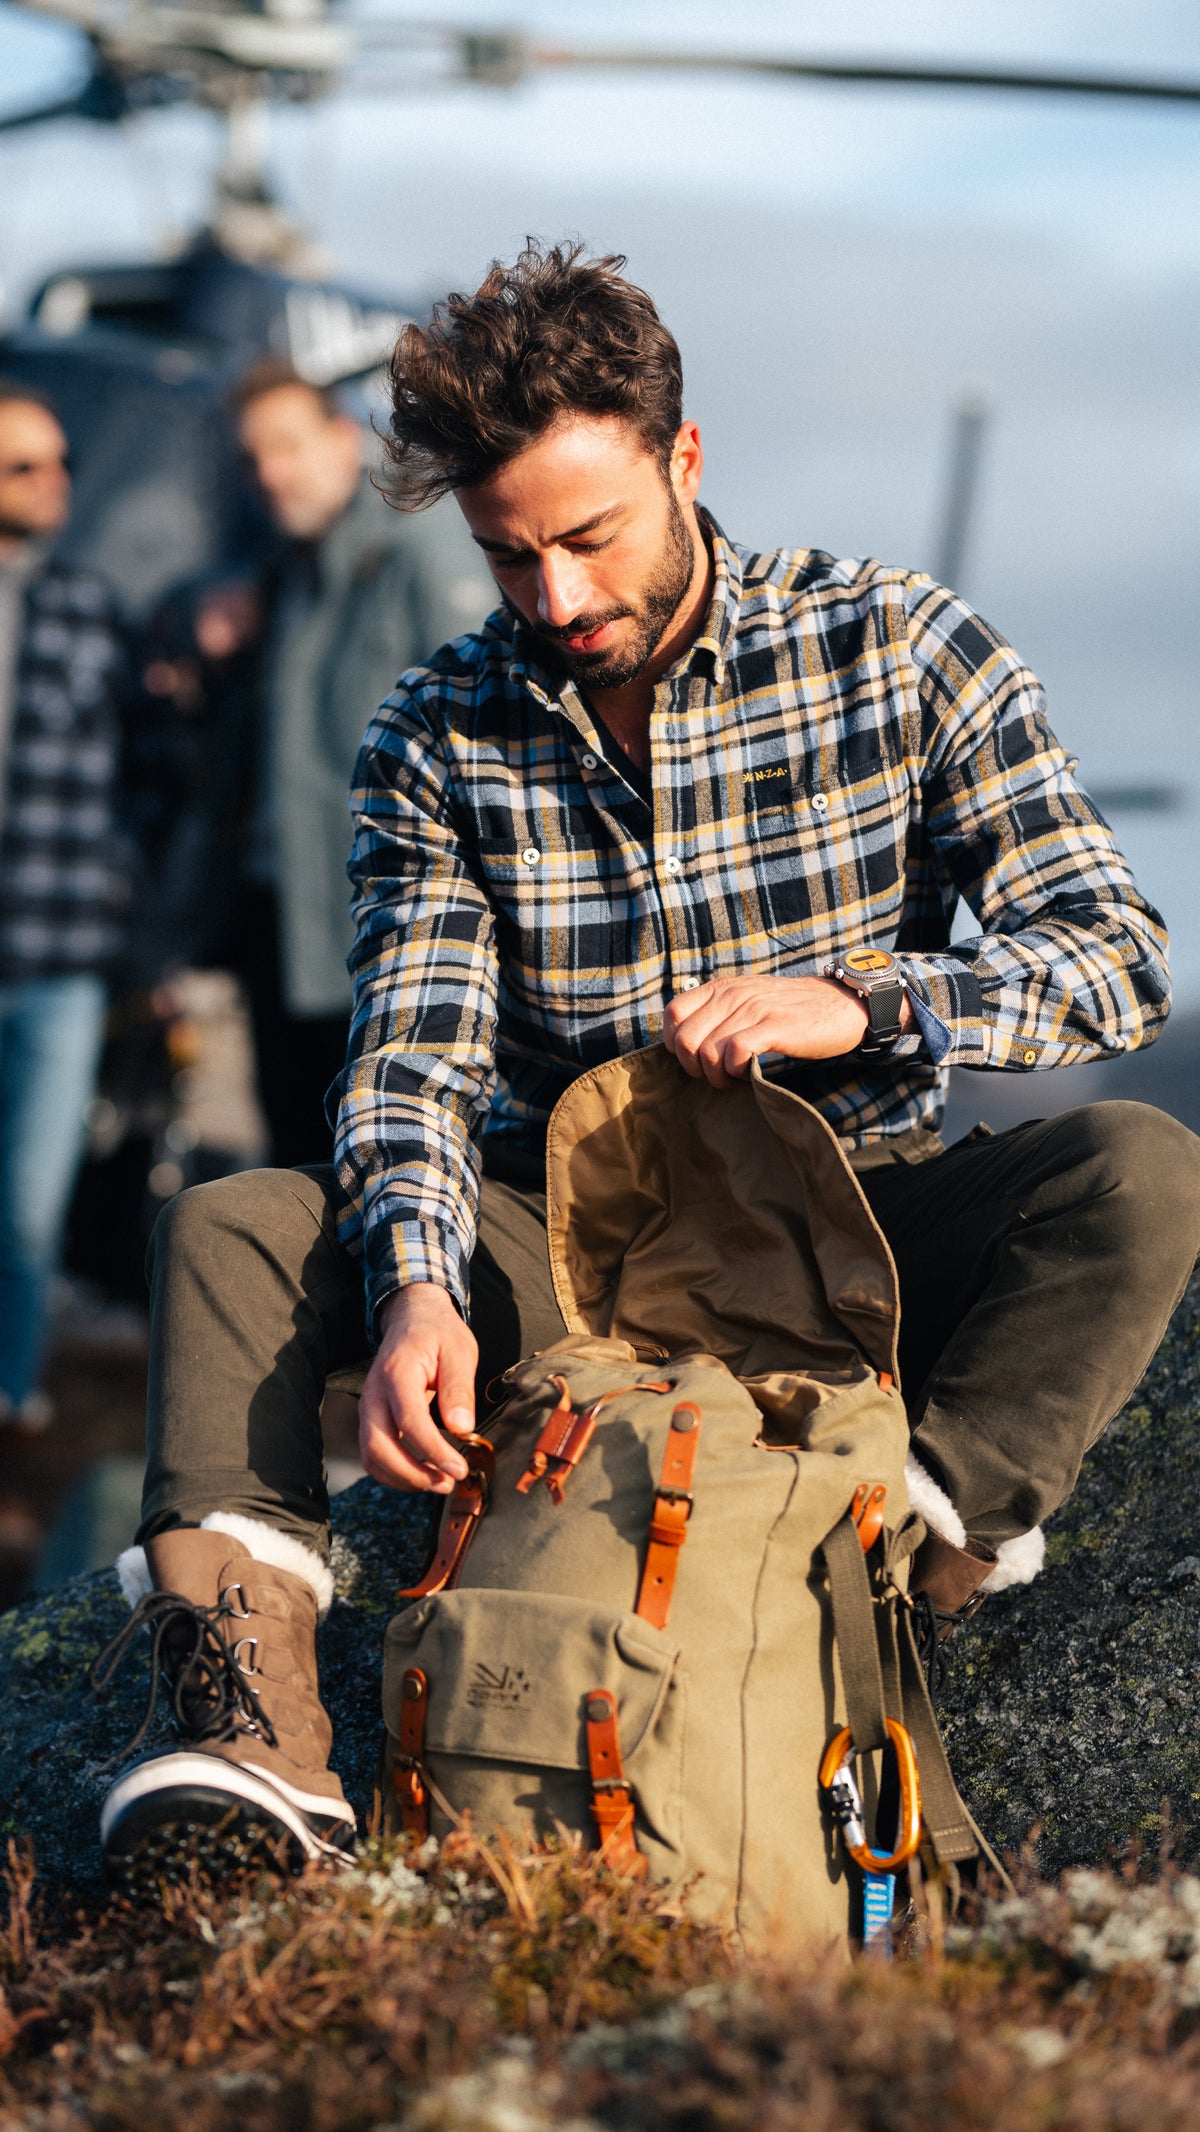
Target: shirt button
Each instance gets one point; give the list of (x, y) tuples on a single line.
[(672, 864), (1029, 1058), (590, 762), (530, 855), (820, 803), (689, 984)]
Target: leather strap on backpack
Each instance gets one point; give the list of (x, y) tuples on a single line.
[(566, 1435), (669, 1519), (468, 1501), (407, 1772), (612, 1800)]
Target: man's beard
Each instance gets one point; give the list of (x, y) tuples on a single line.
[(660, 602)]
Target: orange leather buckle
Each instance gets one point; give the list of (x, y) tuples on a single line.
[(564, 1439), (464, 1508), (867, 1512), (673, 1506), (566, 1436), (407, 1772), (612, 1799)]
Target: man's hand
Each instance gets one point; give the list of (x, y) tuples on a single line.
[(716, 1030), (426, 1351)]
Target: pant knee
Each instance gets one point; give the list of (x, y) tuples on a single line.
[(1143, 1167), (206, 1221)]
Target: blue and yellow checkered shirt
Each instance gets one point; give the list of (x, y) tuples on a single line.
[(845, 752)]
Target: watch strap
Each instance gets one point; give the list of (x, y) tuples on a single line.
[(884, 1005)]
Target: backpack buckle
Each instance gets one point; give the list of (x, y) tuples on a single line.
[(565, 1437), (460, 1518), (407, 1771), (612, 1796), (677, 1495)]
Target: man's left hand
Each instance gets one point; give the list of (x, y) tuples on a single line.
[(716, 1030)]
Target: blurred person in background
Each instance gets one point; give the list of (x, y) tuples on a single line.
[(353, 597), (64, 872)]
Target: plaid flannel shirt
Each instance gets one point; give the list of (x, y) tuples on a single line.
[(845, 751), (65, 865)]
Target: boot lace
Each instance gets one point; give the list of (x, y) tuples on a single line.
[(210, 1697), (927, 1628)]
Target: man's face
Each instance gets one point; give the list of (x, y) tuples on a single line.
[(593, 545), (35, 487), (306, 462)]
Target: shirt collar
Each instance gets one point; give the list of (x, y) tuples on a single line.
[(527, 670)]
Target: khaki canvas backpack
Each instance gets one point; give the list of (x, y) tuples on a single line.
[(666, 1611)]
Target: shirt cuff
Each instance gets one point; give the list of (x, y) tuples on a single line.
[(935, 1035), (400, 1254), (948, 1006)]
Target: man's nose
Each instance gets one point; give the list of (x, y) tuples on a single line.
[(562, 589)]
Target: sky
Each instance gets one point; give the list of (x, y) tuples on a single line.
[(841, 266)]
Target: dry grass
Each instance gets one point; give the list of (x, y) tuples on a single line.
[(486, 1992)]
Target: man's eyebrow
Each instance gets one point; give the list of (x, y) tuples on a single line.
[(588, 525)]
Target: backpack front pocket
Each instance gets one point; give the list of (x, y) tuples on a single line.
[(508, 1678)]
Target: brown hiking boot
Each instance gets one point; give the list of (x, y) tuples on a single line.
[(235, 1648), (950, 1577)]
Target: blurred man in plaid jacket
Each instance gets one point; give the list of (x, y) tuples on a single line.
[(64, 873)]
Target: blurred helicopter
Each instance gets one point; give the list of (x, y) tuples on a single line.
[(138, 357)]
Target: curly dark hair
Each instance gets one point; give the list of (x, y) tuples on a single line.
[(552, 335)]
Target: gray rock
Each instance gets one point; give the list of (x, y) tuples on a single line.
[(1073, 1705)]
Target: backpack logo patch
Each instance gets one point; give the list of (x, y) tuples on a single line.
[(504, 1690)]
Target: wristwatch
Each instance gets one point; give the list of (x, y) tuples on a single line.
[(878, 979)]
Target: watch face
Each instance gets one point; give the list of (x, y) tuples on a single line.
[(868, 962)]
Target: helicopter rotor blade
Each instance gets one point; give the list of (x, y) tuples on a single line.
[(147, 53), (40, 114), (888, 72), (505, 59)]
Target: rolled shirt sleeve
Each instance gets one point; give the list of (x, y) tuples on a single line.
[(417, 1085)]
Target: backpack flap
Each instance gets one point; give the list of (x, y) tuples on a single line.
[(684, 1218)]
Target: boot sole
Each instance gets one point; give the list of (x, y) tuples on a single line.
[(157, 1825)]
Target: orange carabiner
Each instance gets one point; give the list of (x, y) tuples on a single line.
[(837, 1778)]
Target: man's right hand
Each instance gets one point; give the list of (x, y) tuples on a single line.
[(426, 1352)]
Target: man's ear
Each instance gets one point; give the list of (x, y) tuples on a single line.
[(687, 463)]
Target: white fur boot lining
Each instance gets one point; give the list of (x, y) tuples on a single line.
[(264, 1542), (133, 1575), (1018, 1561)]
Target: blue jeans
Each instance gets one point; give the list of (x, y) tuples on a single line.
[(51, 1030)]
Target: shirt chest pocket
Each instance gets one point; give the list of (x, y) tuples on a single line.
[(524, 874)]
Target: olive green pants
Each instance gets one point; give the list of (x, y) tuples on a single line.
[(1038, 1270)]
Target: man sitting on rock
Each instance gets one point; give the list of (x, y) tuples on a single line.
[(675, 789)]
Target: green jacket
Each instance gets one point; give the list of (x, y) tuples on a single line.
[(390, 589)]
